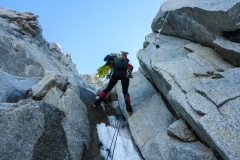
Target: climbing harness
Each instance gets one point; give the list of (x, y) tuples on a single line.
[(109, 75), (159, 31)]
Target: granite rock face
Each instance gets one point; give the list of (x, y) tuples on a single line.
[(14, 88), (44, 103), (32, 130), (196, 82), (180, 130), (50, 80), (150, 121), (194, 66), (203, 22), (190, 73), (26, 53), (93, 83)]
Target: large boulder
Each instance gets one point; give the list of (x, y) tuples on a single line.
[(180, 130), (32, 130), (202, 22), (53, 95), (229, 50), (150, 121), (80, 121), (95, 116), (14, 88), (50, 80), (196, 82), (145, 91), (75, 123), (93, 83)]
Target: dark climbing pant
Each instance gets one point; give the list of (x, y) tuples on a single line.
[(118, 74)]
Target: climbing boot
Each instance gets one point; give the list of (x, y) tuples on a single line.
[(129, 113)]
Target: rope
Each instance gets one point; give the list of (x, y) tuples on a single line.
[(163, 25), (117, 136), (106, 78), (160, 30), (176, 4), (117, 130)]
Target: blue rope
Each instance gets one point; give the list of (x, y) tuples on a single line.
[(116, 138), (117, 129)]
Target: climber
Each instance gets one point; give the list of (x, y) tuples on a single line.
[(121, 69)]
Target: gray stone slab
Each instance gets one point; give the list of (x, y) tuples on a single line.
[(187, 19), (13, 88), (200, 104), (165, 147), (180, 77), (150, 119), (139, 90), (32, 131), (229, 50), (50, 79), (53, 96), (75, 123), (179, 129), (231, 111), (219, 91), (222, 136)]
